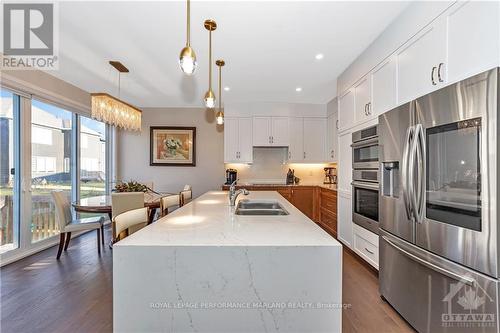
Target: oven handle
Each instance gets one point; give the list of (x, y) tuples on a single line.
[(461, 278), (369, 142), (368, 186)]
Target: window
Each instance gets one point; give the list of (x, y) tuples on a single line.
[(41, 135), (92, 158), (48, 172)]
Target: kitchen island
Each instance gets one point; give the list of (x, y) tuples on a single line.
[(204, 269)]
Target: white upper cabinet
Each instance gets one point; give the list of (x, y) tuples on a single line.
[(238, 140), (421, 63), (231, 146), (308, 140), (270, 131), (384, 87), (363, 99), (473, 38), (332, 137), (280, 131), (346, 110), (296, 148), (261, 131), (314, 140), (245, 140)]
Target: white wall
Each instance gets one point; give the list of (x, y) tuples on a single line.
[(276, 109), (208, 174)]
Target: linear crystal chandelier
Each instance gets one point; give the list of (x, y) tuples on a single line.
[(114, 111)]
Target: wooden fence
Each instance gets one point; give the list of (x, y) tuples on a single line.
[(43, 222)]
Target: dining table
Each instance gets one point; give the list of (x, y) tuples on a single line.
[(101, 204)]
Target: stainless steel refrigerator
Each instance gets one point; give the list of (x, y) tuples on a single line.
[(438, 202)]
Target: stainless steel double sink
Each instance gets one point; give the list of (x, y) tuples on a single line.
[(260, 207)]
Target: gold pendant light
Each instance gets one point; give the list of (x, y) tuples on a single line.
[(210, 25), (219, 117), (187, 58), (114, 111)]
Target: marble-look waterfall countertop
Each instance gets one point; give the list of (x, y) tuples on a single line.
[(209, 220), (204, 269)]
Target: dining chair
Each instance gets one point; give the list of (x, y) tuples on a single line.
[(169, 201), (67, 224), (186, 195), (123, 202), (130, 221)]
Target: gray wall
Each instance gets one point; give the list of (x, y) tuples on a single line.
[(208, 174)]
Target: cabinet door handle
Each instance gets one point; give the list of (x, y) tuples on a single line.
[(304, 155), (369, 108), (371, 252), (289, 154), (337, 124), (366, 113), (432, 75), (272, 139), (439, 72)]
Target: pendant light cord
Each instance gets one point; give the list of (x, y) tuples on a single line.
[(210, 60), (188, 28), (220, 87)]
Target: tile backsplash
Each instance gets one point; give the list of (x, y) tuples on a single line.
[(270, 165)]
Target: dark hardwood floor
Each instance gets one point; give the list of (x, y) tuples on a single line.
[(40, 294)]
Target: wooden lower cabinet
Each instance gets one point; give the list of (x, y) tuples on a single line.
[(303, 197), (317, 203), (328, 211)]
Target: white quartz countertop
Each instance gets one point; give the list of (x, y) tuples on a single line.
[(210, 221)]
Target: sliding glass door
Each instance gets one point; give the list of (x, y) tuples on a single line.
[(93, 150), (44, 148), (9, 166), (51, 152)]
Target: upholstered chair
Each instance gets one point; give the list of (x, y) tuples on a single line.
[(129, 222), (123, 202), (186, 195), (67, 224), (169, 203)]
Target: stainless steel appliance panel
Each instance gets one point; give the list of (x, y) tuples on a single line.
[(366, 175), (365, 207), (395, 213), (458, 180), (433, 294), (365, 148)]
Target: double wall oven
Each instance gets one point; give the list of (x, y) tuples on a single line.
[(365, 176)]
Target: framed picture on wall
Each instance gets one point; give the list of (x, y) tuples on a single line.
[(172, 146)]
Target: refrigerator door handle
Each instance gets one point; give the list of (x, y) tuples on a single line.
[(419, 195), (461, 278), (404, 171)]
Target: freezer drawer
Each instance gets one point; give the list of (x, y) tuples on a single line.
[(434, 294)]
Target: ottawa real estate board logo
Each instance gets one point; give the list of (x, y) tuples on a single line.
[(30, 34), (467, 307)]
